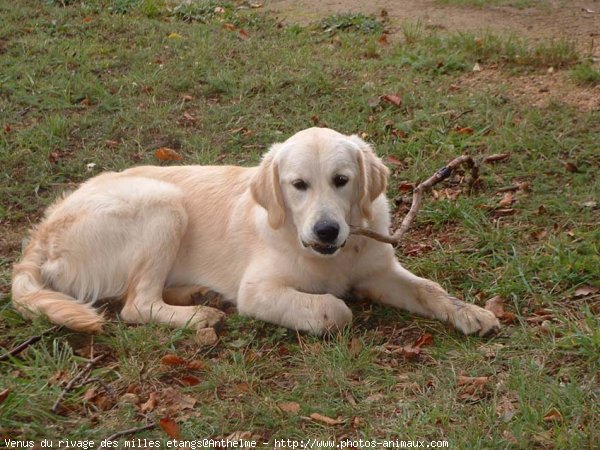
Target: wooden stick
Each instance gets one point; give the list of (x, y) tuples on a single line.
[(83, 372), (440, 175), (129, 431), (22, 346)]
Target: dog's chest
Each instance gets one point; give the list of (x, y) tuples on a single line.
[(332, 276)]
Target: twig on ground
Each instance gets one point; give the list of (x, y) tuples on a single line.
[(81, 374), (440, 175), (129, 431), (22, 346)]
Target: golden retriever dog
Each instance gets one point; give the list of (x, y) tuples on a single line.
[(273, 239)]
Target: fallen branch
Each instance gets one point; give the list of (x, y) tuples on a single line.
[(440, 175), (129, 431), (22, 346), (81, 374)]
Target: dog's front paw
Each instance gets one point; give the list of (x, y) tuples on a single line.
[(327, 314), (471, 319)]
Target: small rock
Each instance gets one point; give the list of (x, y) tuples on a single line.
[(206, 337)]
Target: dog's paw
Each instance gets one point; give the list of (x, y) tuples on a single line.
[(471, 319), (206, 317), (329, 315)]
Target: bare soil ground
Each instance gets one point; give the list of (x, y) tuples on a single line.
[(577, 21)]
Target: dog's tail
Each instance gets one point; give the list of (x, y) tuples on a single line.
[(32, 299)]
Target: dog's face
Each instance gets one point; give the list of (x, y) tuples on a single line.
[(319, 182)]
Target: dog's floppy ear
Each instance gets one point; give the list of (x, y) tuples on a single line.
[(266, 190), (373, 175)]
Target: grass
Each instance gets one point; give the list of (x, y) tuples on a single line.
[(108, 82)]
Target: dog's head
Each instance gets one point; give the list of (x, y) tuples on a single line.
[(319, 181)]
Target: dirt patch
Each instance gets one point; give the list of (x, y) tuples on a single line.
[(577, 21), (537, 90), (554, 19)]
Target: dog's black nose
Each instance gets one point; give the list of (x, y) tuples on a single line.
[(326, 230)]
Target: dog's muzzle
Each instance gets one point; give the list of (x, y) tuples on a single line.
[(323, 249)]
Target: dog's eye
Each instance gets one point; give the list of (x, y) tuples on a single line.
[(340, 180), (301, 185)]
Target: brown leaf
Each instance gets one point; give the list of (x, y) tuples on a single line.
[(4, 395), (87, 19), (229, 26), (539, 234), (172, 360), (392, 160), (186, 97), (507, 200), (190, 380), (464, 130), (289, 407), (383, 40), (355, 347), (496, 305), (496, 157), (478, 382), (571, 167), (553, 415), (424, 339), (406, 186), (111, 144), (410, 353), (503, 212), (89, 394), (170, 427), (150, 404), (584, 291), (243, 34), (167, 154), (326, 420), (391, 98), (197, 364)]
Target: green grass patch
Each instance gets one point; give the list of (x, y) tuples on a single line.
[(109, 82)]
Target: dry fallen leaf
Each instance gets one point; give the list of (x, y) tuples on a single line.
[(4, 395), (477, 68), (392, 160), (289, 407), (571, 167), (472, 389), (170, 427), (190, 380), (243, 34), (229, 26), (496, 157), (355, 347), (150, 404), (464, 130), (553, 415), (496, 305), (584, 291), (391, 98), (424, 339), (167, 154), (507, 200), (539, 234), (172, 360), (326, 420), (383, 40), (87, 19)]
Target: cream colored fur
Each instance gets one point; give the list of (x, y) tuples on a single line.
[(153, 235)]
